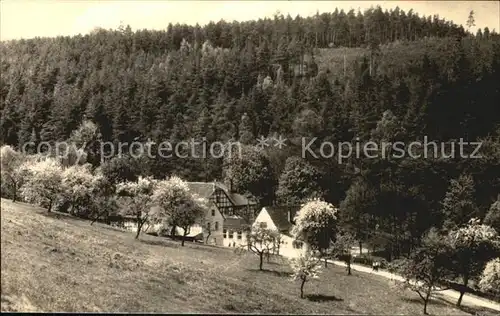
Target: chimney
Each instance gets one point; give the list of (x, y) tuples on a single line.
[(290, 219), (231, 186)]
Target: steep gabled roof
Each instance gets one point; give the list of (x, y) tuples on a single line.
[(206, 189), (279, 215), (240, 200), (236, 198)]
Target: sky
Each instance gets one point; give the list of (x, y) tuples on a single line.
[(49, 18)]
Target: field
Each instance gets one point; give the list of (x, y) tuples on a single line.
[(389, 58), (52, 262)]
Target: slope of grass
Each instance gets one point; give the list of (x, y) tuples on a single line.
[(391, 58), (52, 262)]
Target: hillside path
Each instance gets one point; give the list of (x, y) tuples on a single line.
[(468, 299)]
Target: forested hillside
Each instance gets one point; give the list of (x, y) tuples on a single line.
[(337, 76)]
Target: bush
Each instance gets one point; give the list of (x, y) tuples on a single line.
[(368, 260), (396, 266), (490, 278)]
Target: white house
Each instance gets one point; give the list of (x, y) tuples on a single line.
[(280, 218), (212, 232), (225, 222), (235, 231)]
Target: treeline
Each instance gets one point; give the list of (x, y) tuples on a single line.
[(202, 82)]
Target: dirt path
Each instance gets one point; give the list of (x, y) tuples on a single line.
[(468, 299)]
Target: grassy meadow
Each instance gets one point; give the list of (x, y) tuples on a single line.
[(53, 262)]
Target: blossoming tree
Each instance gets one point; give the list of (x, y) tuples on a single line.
[(315, 225), (138, 197), (472, 246), (305, 267), (177, 206), (79, 187), (490, 278), (11, 162), (43, 181)]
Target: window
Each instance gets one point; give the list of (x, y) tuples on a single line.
[(216, 226), (225, 233), (297, 244), (231, 234), (213, 212), (208, 225), (263, 225), (239, 234)]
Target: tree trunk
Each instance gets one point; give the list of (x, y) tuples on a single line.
[(261, 255), (360, 248), (14, 198), (172, 231), (139, 227), (349, 267), (184, 237), (302, 287), (462, 289), (426, 300), (326, 263), (208, 236), (49, 209), (97, 217)]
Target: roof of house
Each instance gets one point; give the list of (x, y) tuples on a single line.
[(235, 223), (279, 215), (206, 189), (240, 200)]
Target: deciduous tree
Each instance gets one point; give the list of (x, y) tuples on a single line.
[(79, 187), (11, 175), (357, 209), (428, 267), (177, 206), (458, 205), (137, 200), (472, 246), (43, 181), (298, 182), (490, 278), (316, 225), (305, 267), (341, 248), (250, 172), (492, 218), (261, 241)]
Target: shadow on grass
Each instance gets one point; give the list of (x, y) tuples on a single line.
[(476, 310), (159, 242), (273, 263), (323, 298), (176, 243), (441, 301), (433, 301), (274, 272), (61, 215)]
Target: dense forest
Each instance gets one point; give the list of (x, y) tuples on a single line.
[(377, 75)]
